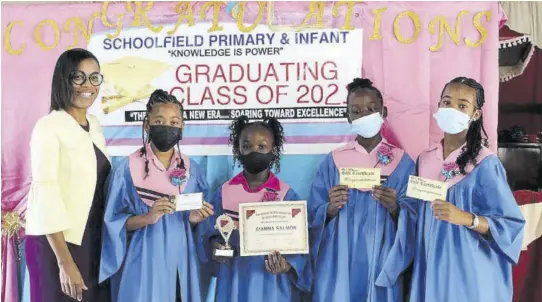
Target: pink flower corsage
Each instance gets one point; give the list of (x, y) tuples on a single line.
[(450, 170), (385, 154), (178, 176), (270, 196)]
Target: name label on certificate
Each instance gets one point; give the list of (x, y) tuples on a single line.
[(281, 226), (426, 189), (360, 178), (187, 202)]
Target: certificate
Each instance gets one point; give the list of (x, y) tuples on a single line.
[(187, 202), (265, 227), (426, 189), (359, 178)]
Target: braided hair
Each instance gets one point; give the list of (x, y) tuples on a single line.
[(475, 140), (359, 84), (159, 96), (271, 124)]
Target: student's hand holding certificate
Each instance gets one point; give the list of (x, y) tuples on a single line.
[(276, 264), (338, 196), (197, 216), (159, 208), (387, 198), (445, 211)]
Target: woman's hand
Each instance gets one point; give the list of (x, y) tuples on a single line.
[(197, 216), (446, 211), (159, 208), (338, 196), (71, 280), (277, 264), (387, 198)]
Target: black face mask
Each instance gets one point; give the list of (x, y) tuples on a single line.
[(256, 162), (165, 137)]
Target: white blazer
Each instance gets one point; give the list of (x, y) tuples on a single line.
[(63, 175)]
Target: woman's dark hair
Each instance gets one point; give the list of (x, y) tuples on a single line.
[(271, 124), (62, 88), (159, 96), (359, 84), (475, 140)]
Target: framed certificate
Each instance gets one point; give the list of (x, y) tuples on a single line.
[(265, 227)]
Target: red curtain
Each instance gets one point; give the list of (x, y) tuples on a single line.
[(524, 90), (527, 275)]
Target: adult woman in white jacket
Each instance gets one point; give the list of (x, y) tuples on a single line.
[(66, 203)]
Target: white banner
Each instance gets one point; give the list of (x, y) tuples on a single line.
[(297, 77)]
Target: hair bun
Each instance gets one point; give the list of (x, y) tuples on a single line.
[(243, 119), (359, 83), (362, 82), (270, 120), (159, 93)]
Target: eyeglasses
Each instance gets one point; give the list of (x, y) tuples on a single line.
[(78, 77)]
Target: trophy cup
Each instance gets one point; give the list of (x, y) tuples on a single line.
[(224, 224)]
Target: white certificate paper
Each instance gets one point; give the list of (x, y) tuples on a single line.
[(187, 202), (265, 227), (360, 178), (426, 189)]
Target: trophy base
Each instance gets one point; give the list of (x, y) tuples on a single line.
[(223, 253)]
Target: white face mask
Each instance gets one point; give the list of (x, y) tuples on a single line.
[(452, 121), (368, 126)]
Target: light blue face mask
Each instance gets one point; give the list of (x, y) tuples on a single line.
[(368, 126), (452, 121)]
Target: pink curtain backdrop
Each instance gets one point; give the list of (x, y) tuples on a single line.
[(409, 76)]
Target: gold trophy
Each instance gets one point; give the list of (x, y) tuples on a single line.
[(224, 225)]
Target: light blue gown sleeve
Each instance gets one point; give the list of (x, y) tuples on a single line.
[(118, 209), (494, 200), (301, 268), (203, 187), (207, 231), (318, 203), (201, 181), (402, 251)]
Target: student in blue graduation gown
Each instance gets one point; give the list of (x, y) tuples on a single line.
[(149, 248), (466, 244), (272, 278), (362, 240)]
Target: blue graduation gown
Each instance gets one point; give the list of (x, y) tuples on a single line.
[(245, 279), (144, 264), (453, 263), (359, 255)]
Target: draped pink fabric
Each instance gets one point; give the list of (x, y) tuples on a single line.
[(411, 77), (390, 136), (10, 277), (10, 255)]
